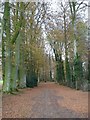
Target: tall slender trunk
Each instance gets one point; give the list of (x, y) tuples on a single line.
[(22, 73), (6, 84), (3, 42), (3, 57), (16, 65), (50, 67), (18, 39), (89, 66), (67, 65), (89, 43), (65, 39)]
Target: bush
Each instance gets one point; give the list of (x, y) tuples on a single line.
[(31, 79)]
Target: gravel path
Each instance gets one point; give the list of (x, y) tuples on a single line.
[(49, 108), (48, 100)]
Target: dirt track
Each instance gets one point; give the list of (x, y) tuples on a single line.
[(48, 100)]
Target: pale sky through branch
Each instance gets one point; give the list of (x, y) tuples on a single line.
[(54, 6)]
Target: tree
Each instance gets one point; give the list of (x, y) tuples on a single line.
[(7, 64)]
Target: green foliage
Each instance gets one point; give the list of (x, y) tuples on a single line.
[(68, 72), (78, 71), (31, 78), (59, 71)]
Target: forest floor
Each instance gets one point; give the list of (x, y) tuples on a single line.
[(48, 100)]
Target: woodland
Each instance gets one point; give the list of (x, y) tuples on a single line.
[(41, 43)]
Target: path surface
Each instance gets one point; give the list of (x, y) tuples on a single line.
[(48, 100)]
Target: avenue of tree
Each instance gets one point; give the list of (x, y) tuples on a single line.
[(39, 44)]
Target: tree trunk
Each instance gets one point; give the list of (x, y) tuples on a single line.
[(6, 83)]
